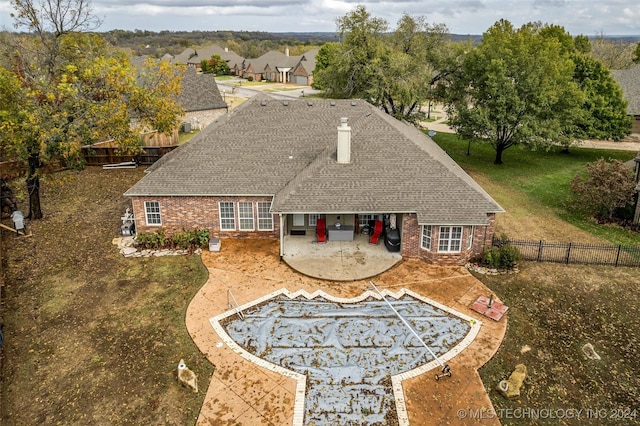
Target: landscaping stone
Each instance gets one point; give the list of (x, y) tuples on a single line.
[(510, 388), (590, 352)]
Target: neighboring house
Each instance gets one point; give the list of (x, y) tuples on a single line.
[(629, 80), (272, 66), (636, 216), (200, 99), (302, 73), (272, 168), (193, 58)]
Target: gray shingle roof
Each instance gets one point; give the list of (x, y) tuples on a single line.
[(199, 92), (289, 151), (273, 59), (629, 80)]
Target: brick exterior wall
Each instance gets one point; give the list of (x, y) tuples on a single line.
[(199, 212), (203, 212), (205, 117), (412, 240)]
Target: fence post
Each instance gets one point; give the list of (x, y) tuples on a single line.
[(568, 254), (540, 251), (618, 255)]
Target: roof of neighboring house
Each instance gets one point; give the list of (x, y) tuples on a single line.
[(199, 92), (273, 59), (308, 61), (629, 80), (195, 56), (287, 149)]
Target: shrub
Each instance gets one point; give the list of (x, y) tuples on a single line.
[(185, 240), (501, 256)]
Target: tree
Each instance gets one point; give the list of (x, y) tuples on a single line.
[(356, 60), (604, 105), (516, 87), (216, 65), (77, 90), (605, 187), (636, 54), (389, 71), (613, 53)]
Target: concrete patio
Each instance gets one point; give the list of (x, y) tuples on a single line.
[(242, 392), (338, 260)]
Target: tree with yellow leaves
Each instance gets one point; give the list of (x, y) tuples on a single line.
[(73, 89)]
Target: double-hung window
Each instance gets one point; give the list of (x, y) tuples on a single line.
[(265, 219), (245, 215), (227, 217), (450, 239), (426, 237), (152, 213)]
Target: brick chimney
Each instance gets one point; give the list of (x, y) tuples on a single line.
[(344, 142)]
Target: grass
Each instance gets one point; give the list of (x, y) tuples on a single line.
[(554, 309), (92, 337), (540, 177)]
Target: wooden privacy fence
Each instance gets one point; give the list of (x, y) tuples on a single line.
[(588, 254), (98, 156)]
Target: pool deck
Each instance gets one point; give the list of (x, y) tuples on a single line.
[(243, 393)]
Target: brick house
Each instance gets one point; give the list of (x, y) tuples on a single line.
[(200, 99), (272, 168)]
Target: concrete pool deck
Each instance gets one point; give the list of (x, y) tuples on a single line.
[(241, 392)]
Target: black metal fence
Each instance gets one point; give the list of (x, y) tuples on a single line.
[(587, 254)]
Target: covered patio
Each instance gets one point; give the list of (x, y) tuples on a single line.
[(337, 260)]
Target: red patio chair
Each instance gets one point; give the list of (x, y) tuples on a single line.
[(377, 230), (321, 231)]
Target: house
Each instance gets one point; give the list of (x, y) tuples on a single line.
[(302, 73), (193, 58), (272, 168), (629, 81), (200, 98), (272, 66)]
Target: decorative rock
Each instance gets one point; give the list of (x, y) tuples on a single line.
[(187, 377), (510, 388), (590, 352)]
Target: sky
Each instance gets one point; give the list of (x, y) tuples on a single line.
[(587, 17)]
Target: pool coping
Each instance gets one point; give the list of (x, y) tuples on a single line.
[(301, 379)]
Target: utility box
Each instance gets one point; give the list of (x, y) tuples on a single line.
[(214, 244), (186, 127)]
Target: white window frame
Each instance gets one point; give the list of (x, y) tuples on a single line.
[(470, 238), (227, 223), (366, 217), (152, 213), (425, 241), (446, 240), (313, 218), (246, 217), (265, 218)]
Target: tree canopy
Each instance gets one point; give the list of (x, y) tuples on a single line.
[(516, 87), (391, 71), (71, 89)]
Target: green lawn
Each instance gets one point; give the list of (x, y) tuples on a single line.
[(541, 176)]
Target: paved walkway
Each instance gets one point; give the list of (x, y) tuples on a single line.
[(243, 393)]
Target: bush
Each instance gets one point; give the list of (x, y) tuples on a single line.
[(501, 256), (185, 240)]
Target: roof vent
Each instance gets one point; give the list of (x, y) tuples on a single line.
[(263, 102), (332, 103), (353, 103), (309, 103), (285, 103)]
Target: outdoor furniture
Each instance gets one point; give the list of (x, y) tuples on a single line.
[(341, 233), (377, 231), (321, 231)]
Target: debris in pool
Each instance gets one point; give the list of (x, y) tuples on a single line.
[(349, 351)]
